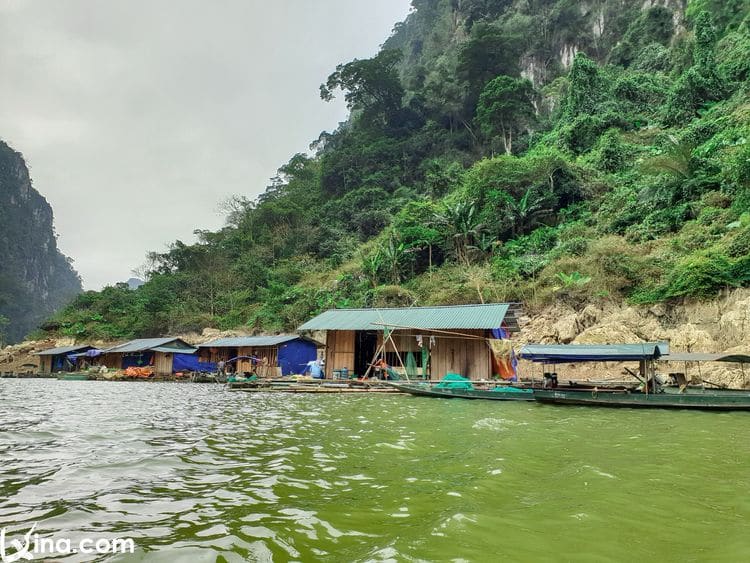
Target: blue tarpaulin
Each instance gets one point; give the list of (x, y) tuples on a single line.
[(294, 356), (138, 360), (191, 362)]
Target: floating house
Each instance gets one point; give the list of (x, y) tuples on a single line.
[(274, 355), (58, 359), (158, 353), (433, 341)]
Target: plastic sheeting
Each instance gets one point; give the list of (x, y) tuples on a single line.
[(294, 356), (191, 362), (138, 360)]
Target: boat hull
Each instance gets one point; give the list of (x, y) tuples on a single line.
[(74, 377), (423, 390), (700, 400)]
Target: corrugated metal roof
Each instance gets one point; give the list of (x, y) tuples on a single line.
[(250, 341), (564, 353), (143, 344), (174, 350), (62, 350), (445, 317)]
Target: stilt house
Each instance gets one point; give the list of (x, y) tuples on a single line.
[(56, 359), (156, 352), (274, 355), (434, 340)]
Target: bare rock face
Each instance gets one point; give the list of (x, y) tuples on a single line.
[(589, 316), (721, 325), (35, 278), (690, 338), (734, 324), (566, 329), (607, 333)]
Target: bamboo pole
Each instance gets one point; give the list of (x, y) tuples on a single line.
[(395, 348), (374, 359), (467, 336)]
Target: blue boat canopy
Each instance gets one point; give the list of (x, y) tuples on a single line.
[(570, 353)]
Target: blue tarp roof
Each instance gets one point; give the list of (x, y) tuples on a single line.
[(565, 353)]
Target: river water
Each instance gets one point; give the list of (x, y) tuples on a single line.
[(197, 473)]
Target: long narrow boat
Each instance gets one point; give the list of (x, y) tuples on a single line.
[(709, 399), (649, 395), (74, 377), (498, 393)]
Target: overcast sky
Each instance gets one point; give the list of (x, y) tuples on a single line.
[(138, 117)]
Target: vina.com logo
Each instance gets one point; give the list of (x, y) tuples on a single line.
[(33, 545)]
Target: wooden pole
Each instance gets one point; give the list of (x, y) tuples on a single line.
[(390, 337), (395, 349), (634, 375), (469, 336), (374, 359)]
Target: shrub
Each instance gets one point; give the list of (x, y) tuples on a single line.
[(654, 57), (740, 245), (701, 275), (611, 153)]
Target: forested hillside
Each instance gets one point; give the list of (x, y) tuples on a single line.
[(35, 278), (526, 150)]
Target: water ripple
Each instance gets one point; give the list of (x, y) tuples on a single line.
[(194, 472)]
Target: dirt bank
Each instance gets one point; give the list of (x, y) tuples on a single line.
[(721, 325)]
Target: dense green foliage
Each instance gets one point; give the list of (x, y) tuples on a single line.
[(35, 278), (526, 150)]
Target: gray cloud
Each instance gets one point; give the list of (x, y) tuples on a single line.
[(138, 117)]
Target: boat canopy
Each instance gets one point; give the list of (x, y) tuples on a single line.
[(569, 353), (704, 357)]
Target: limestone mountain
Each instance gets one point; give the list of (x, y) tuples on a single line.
[(36, 279), (542, 151)]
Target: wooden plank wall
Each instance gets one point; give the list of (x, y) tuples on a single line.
[(214, 355), (270, 353), (162, 363), (45, 364), (466, 356), (112, 361), (340, 350)]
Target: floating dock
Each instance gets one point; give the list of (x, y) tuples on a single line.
[(311, 386)]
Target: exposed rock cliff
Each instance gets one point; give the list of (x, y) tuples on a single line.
[(35, 277), (722, 325)]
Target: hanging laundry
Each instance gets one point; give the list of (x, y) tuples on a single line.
[(504, 360)]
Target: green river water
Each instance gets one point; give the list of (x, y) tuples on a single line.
[(197, 473)]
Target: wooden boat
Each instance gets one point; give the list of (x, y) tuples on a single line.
[(74, 377), (497, 393), (690, 398), (648, 395)]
